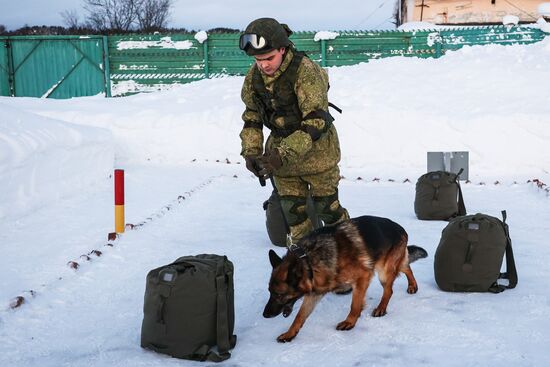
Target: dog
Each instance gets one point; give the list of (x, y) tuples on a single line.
[(333, 258)]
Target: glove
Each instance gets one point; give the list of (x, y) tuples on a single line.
[(252, 165), (270, 162)]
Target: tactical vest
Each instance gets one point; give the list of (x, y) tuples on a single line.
[(283, 102)]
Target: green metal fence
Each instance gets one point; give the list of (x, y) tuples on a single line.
[(54, 67), (146, 62), (65, 66)]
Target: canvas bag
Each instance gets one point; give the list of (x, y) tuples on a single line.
[(189, 308), (436, 196), (470, 254), (275, 222)]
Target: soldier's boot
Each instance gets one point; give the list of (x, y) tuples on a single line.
[(294, 209), (330, 211)]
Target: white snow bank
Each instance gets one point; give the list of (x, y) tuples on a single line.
[(43, 160)]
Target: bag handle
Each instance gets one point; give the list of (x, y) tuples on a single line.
[(511, 273)]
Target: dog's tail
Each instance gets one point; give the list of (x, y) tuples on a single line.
[(416, 253)]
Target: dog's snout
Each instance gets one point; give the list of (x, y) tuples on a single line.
[(272, 308)]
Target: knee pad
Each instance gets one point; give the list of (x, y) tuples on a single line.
[(294, 208), (328, 208)]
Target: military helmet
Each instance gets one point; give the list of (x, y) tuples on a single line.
[(264, 35)]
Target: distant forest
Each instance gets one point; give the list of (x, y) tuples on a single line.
[(112, 17), (63, 31)]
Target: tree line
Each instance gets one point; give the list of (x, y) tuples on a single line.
[(112, 17)]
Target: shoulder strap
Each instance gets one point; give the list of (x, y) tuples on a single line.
[(511, 273), (224, 341), (461, 206)]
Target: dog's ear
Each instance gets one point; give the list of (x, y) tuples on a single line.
[(274, 259)]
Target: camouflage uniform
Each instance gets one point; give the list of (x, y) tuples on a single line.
[(310, 161)]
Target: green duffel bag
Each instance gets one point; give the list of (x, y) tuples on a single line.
[(470, 254), (189, 308), (275, 222), (438, 196)]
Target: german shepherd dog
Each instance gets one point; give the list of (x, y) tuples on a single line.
[(335, 258)]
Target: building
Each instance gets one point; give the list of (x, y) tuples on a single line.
[(466, 12)]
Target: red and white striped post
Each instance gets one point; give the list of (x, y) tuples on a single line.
[(119, 201)]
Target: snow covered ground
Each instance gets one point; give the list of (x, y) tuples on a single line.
[(185, 184)]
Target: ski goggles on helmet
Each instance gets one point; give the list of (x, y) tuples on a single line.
[(255, 41)]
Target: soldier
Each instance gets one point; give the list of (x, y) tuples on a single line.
[(287, 92)]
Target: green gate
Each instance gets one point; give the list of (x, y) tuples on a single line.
[(54, 67)]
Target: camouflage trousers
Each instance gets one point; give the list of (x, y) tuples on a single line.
[(323, 189)]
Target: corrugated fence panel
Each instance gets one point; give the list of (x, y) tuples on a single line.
[(455, 39), (351, 48), (57, 67), (304, 41), (224, 55), (156, 59)]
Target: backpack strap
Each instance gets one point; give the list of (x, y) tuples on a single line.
[(224, 341), (511, 273), (461, 206)]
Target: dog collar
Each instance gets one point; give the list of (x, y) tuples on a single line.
[(300, 253)]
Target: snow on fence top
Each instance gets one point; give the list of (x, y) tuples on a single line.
[(164, 42), (325, 35), (201, 36)]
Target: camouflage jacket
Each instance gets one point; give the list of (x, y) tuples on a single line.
[(300, 154)]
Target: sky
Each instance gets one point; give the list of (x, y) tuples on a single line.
[(188, 192), (203, 15)]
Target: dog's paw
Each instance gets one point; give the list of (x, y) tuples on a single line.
[(412, 289), (378, 312), (286, 337), (345, 325)]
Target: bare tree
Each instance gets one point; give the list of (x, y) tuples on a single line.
[(119, 15), (70, 18), (2, 28), (154, 14)]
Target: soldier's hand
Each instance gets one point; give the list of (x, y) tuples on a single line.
[(270, 161), (252, 165)]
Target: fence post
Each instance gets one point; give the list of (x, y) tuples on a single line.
[(205, 52), (119, 201), (106, 66), (323, 53), (11, 72)]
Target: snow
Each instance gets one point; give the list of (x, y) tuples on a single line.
[(201, 36), (42, 160), (510, 20), (164, 42), (189, 193), (325, 35), (543, 25), (418, 26)]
